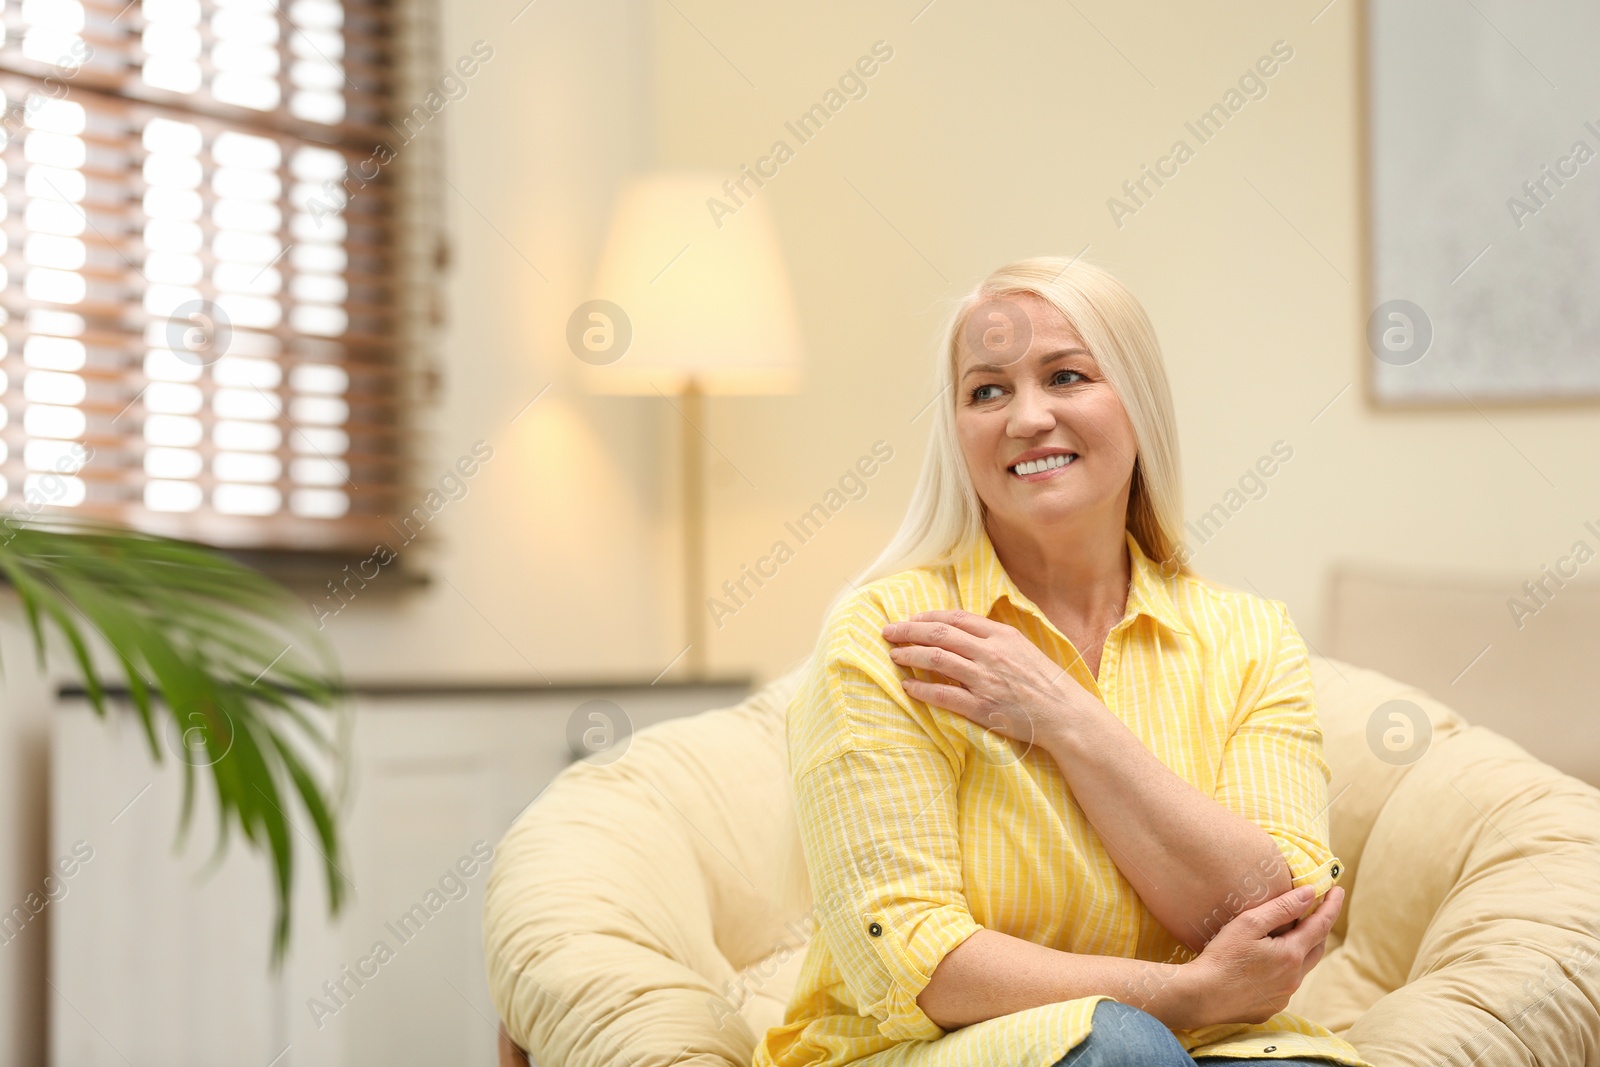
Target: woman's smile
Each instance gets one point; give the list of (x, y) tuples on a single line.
[(1038, 470)]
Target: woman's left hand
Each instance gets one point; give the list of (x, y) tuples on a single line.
[(1004, 681)]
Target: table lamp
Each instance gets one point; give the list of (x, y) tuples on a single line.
[(691, 298)]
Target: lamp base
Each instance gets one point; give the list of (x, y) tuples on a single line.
[(694, 619)]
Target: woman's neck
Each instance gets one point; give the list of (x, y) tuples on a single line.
[(1077, 574)]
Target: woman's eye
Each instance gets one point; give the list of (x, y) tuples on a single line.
[(978, 396)]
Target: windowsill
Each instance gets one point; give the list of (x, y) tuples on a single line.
[(425, 688)]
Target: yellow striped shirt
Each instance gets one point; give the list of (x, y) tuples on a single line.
[(920, 827)]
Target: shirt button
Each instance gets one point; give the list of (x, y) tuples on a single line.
[(875, 930), (1334, 870), (1270, 1048)]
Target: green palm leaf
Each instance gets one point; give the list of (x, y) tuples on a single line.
[(219, 658)]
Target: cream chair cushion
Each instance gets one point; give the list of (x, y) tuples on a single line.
[(656, 909)]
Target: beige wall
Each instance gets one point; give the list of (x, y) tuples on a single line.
[(995, 131), (552, 563), (998, 131)]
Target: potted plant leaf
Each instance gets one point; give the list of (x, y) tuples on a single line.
[(208, 651)]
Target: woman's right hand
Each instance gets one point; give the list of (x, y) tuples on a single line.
[(1246, 973)]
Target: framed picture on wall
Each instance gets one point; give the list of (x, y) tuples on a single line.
[(1483, 183)]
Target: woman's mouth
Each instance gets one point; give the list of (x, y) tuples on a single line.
[(1037, 470)]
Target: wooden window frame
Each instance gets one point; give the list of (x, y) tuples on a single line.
[(391, 248)]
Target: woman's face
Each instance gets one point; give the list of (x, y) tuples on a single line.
[(1026, 385)]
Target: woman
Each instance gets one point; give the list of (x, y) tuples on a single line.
[(1062, 801)]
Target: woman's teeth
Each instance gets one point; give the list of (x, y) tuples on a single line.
[(1034, 466)]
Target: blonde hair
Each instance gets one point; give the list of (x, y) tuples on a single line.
[(946, 512)]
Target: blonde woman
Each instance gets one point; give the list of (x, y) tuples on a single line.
[(1062, 801)]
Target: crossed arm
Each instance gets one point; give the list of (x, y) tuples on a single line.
[(1191, 860), (1194, 862), (1181, 851), (889, 883)]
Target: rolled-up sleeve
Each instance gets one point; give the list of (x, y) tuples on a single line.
[(876, 804), (1273, 770)]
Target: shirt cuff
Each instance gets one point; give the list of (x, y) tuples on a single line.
[(1305, 870), (910, 953)]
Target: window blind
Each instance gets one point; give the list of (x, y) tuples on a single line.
[(199, 281)]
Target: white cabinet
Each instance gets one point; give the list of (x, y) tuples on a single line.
[(157, 959)]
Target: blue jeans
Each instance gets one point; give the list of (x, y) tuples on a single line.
[(1125, 1036)]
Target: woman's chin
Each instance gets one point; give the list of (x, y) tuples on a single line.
[(1043, 508)]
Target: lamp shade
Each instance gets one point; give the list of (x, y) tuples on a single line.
[(706, 296)]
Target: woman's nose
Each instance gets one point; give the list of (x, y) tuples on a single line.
[(1030, 413)]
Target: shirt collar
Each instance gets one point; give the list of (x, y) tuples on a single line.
[(982, 580)]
